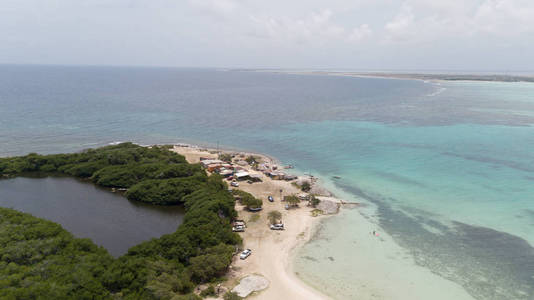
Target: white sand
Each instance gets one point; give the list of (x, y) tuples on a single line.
[(271, 250), (250, 284)]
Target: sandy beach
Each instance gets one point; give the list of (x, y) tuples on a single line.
[(382, 270), (272, 251)]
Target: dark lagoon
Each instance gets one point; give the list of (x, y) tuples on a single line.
[(107, 218)]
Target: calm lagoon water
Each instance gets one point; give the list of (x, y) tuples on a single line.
[(109, 219), (445, 169)]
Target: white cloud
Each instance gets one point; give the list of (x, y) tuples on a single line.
[(383, 33), (217, 7), (426, 21), (501, 17), (316, 28), (401, 28), (360, 33)]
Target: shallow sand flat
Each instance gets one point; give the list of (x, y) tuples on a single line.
[(374, 268)]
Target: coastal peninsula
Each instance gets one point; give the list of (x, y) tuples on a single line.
[(430, 76), (272, 251), (187, 264)]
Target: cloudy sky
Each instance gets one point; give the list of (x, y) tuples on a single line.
[(348, 34)]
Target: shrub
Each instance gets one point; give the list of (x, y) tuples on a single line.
[(251, 160), (232, 296), (314, 201), (306, 186), (274, 216), (209, 291), (292, 200), (225, 157)]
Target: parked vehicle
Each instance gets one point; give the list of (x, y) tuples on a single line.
[(234, 183), (279, 226), (254, 208), (238, 228), (240, 223), (270, 198), (246, 253)]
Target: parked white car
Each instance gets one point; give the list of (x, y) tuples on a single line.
[(246, 253), (279, 226), (238, 228), (234, 183)]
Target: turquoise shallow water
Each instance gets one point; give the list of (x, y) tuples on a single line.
[(446, 169), (459, 197)]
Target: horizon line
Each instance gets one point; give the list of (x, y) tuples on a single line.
[(294, 69)]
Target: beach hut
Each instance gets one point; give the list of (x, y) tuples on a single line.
[(290, 177), (241, 175), (277, 175), (206, 163), (226, 172)]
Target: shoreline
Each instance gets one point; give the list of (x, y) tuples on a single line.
[(431, 77), (274, 252), (390, 270)]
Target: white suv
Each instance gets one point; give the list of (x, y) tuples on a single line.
[(278, 226), (246, 253)]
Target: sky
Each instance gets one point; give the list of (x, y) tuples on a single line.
[(493, 35)]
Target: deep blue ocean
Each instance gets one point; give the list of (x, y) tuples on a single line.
[(447, 167)]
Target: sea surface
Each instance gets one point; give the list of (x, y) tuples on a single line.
[(444, 170)]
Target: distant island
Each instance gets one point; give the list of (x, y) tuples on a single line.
[(446, 77), (415, 75)]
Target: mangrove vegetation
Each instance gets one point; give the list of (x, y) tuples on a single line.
[(40, 260)]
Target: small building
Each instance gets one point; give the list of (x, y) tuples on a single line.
[(207, 162), (242, 175), (213, 167), (290, 177), (277, 175), (226, 172)]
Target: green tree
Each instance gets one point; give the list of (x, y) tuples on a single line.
[(209, 291), (251, 160), (292, 200), (248, 199), (225, 157), (274, 216), (306, 186), (252, 202), (314, 201)]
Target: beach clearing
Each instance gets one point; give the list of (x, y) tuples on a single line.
[(272, 251)]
